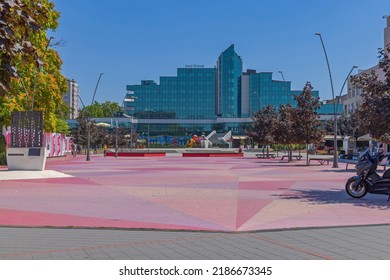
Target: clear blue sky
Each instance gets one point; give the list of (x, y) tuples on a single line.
[(134, 40)]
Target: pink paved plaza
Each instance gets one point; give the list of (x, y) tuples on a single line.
[(217, 194)]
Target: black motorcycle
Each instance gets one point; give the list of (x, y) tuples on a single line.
[(367, 180)]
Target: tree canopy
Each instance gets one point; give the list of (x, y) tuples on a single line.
[(21, 20), (284, 129), (306, 125), (264, 122), (347, 125), (374, 107), (99, 135), (30, 73), (106, 109)]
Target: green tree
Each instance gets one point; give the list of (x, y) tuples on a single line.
[(31, 70), (110, 108), (101, 110), (3, 158), (62, 127), (98, 135), (264, 122), (121, 134), (284, 127), (306, 125), (347, 125), (80, 134), (21, 21), (374, 107)]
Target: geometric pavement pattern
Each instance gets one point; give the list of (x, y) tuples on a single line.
[(179, 193)]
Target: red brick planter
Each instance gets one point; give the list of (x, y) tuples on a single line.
[(136, 154), (213, 154)]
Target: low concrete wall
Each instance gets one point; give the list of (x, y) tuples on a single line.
[(33, 159)]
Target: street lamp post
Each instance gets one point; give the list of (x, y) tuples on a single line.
[(149, 111), (131, 130), (285, 86), (289, 102), (89, 121), (148, 130), (335, 103), (258, 97), (345, 81), (131, 134), (335, 157), (88, 158), (116, 138), (130, 99)]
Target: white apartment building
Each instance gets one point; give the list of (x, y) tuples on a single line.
[(353, 93), (71, 98)]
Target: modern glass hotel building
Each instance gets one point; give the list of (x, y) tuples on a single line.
[(200, 99)]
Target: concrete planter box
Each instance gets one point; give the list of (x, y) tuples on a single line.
[(33, 159)]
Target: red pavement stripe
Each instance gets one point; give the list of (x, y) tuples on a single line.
[(10, 217), (55, 181)]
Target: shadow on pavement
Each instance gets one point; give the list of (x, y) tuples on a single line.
[(337, 196)]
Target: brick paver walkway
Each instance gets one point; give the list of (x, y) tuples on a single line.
[(232, 199), (219, 194)]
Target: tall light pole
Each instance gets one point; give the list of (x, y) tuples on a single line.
[(131, 129), (285, 85), (89, 122), (149, 111), (258, 97), (335, 103), (289, 102), (148, 128), (345, 81), (96, 87), (129, 99), (116, 138), (335, 156)]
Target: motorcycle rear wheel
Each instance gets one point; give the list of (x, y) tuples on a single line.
[(356, 191)]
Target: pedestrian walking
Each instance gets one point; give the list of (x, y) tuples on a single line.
[(104, 150), (73, 149)]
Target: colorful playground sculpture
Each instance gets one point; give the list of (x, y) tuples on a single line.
[(194, 142)]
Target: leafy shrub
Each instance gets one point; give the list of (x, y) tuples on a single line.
[(3, 158)]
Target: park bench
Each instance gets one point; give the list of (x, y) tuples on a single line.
[(298, 157), (270, 155), (321, 159)]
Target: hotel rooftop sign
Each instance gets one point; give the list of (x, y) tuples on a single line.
[(194, 66)]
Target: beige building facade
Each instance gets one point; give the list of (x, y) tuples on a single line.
[(351, 101)]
